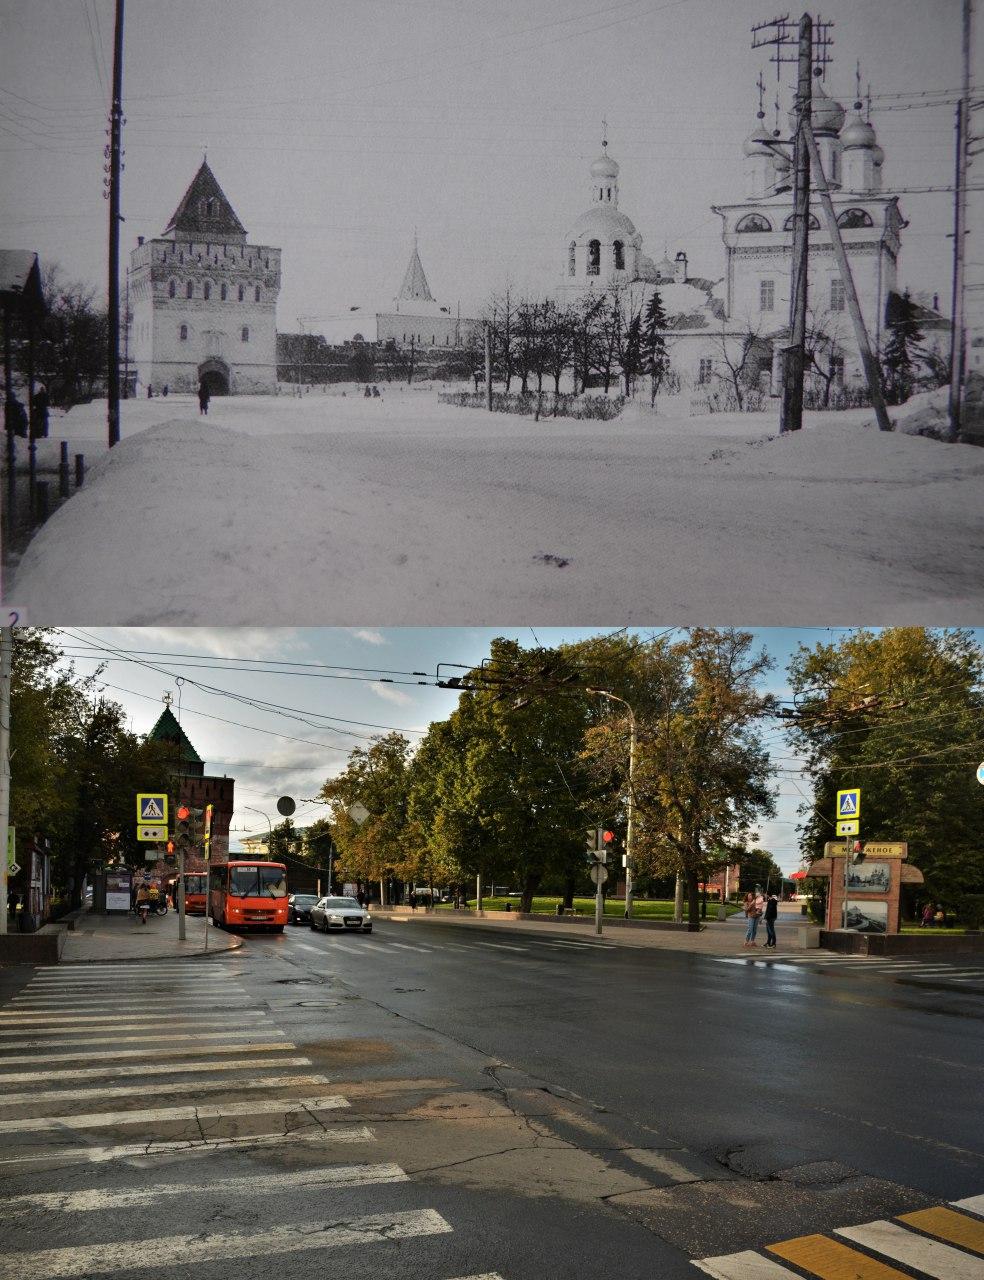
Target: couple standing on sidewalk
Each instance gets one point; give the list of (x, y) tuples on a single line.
[(758, 907)]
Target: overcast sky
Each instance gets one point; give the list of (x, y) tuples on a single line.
[(336, 129), (324, 712)]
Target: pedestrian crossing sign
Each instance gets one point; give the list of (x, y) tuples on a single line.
[(849, 803), (152, 807)]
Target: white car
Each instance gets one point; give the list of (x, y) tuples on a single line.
[(340, 913)]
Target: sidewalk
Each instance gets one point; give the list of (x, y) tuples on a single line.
[(104, 939), (717, 938)]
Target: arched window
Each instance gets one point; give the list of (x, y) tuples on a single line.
[(189, 290), (207, 290), (572, 258), (245, 333), (256, 294), (224, 292), (852, 218), (594, 257), (172, 288), (183, 332), (753, 222), (609, 191), (813, 222), (241, 293), (618, 249)]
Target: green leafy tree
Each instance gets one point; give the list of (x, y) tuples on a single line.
[(377, 778), (898, 713), (703, 774), (758, 867)]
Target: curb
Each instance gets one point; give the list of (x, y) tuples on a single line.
[(164, 955)]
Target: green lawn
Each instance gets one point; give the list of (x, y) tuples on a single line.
[(642, 908)]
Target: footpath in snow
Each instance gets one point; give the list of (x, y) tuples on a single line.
[(340, 510)]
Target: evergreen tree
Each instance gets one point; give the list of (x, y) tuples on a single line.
[(656, 357), (901, 356)]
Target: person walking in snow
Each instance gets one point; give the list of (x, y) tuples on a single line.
[(204, 395)]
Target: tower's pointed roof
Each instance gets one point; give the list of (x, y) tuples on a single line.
[(167, 729), (415, 287), (205, 211)]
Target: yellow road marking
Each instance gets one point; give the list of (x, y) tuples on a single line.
[(947, 1224), (831, 1260)]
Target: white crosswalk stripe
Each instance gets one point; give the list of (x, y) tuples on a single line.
[(106, 1072), (745, 1265), (168, 1087), (159, 1054), (356, 1175), (974, 1203), (35, 1018), (132, 1255), (907, 969), (44, 1040), (198, 1146), (932, 1257), (153, 1115)]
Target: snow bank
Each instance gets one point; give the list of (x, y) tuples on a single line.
[(341, 510)]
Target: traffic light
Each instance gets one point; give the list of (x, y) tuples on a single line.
[(599, 842)]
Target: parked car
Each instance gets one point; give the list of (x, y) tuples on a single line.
[(340, 913), (299, 907)]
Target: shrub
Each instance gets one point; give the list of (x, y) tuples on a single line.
[(603, 408)]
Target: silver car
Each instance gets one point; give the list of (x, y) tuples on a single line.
[(340, 913)]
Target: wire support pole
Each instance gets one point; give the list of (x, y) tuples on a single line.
[(868, 360), (791, 409), (115, 150)]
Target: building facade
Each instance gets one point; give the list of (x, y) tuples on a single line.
[(713, 323), (418, 319), (203, 301)]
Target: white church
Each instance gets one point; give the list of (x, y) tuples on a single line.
[(750, 301), (203, 300)]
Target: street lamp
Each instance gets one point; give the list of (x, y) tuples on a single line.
[(269, 825), (630, 805)]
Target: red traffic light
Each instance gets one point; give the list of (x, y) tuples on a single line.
[(183, 813), (170, 846), (608, 836)]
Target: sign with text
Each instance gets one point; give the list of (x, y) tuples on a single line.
[(872, 849)]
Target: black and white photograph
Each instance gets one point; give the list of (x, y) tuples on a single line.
[(481, 481), (437, 312), (869, 877), (867, 916)]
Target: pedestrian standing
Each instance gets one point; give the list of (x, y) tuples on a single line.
[(39, 424), (771, 912), (927, 916), (412, 899), (754, 906), (204, 395)]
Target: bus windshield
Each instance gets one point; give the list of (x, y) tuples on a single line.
[(257, 882), (194, 884)]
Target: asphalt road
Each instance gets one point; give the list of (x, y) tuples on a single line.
[(447, 1101)]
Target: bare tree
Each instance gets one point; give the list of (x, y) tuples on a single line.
[(737, 357)]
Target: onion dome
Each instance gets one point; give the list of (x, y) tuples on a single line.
[(604, 166), (605, 223), (826, 115), (857, 133), (757, 142)]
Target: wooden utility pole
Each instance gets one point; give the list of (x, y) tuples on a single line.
[(791, 410), (488, 367), (868, 360), (115, 156), (958, 349)]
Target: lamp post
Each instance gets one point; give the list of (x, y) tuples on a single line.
[(269, 826), (630, 804)]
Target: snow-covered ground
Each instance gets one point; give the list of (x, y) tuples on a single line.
[(331, 509)]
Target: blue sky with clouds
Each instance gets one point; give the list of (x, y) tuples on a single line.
[(279, 728)]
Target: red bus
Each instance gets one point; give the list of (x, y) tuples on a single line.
[(248, 894), (195, 893)]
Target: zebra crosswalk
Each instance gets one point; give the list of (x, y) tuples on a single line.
[(969, 975), (133, 1057), (945, 1242)]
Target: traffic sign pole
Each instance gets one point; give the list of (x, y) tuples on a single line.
[(6, 664), (599, 902)]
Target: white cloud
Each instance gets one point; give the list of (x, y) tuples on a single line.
[(216, 642), (369, 636), (389, 694)]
